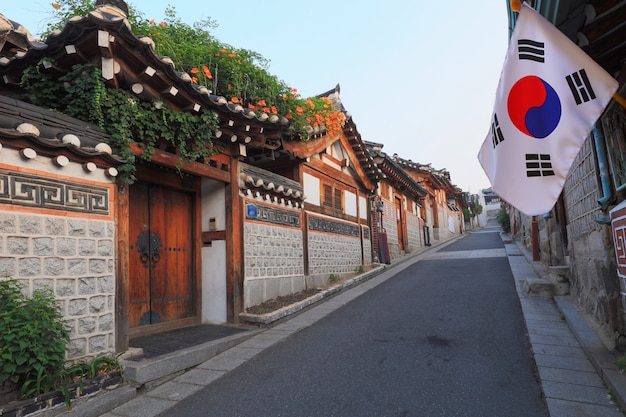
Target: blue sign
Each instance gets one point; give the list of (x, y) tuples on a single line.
[(252, 211)]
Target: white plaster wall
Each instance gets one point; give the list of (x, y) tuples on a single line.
[(311, 186), (363, 208), (213, 202), (350, 202)]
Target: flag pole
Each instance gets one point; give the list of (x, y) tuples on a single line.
[(621, 100)]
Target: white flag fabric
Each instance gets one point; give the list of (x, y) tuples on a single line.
[(549, 97)]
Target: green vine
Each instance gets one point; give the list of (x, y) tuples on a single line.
[(240, 75), (125, 118)]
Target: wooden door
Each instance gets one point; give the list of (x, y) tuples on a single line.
[(400, 223), (161, 256)]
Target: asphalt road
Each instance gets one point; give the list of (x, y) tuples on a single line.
[(444, 337)]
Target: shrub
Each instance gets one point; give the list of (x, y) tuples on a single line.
[(504, 219), (33, 339)]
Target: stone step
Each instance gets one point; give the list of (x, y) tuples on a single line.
[(543, 288)]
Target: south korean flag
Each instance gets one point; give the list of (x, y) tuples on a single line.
[(549, 97)]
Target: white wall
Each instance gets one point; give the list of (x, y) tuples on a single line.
[(363, 208), (213, 201), (350, 203), (311, 186)]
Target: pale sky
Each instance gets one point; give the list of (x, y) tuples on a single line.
[(418, 76)]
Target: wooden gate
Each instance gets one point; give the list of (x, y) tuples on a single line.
[(400, 223), (161, 256)]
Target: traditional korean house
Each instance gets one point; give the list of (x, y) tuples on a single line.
[(580, 239), (443, 206), (399, 204), (339, 177), (185, 242)]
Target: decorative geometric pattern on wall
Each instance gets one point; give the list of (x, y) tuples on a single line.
[(329, 226), (34, 191)]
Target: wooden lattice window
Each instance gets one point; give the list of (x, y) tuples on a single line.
[(338, 199), (328, 195), (333, 197)]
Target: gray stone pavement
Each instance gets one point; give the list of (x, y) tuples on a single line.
[(572, 363), (572, 385)]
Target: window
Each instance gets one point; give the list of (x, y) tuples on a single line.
[(328, 195), (338, 199), (333, 197)]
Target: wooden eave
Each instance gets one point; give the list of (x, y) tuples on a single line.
[(362, 161), (402, 180), (603, 38), (597, 26)]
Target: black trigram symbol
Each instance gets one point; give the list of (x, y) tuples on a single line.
[(496, 132), (581, 87), (531, 50), (538, 165)]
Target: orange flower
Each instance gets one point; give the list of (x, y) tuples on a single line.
[(217, 54), (234, 100), (288, 116), (162, 24), (57, 6), (239, 61), (274, 110), (194, 70), (232, 55), (223, 51), (299, 110), (310, 103), (206, 71), (251, 106), (261, 103), (194, 80), (266, 109), (229, 86), (152, 21)]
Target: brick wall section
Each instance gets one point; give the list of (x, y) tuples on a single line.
[(76, 258), (593, 275)]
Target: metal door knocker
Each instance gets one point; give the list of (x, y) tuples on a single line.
[(149, 248)]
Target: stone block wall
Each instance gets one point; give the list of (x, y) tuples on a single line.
[(367, 245), (593, 273), (334, 247), (390, 224), (414, 232), (274, 253), (75, 257), (57, 230)]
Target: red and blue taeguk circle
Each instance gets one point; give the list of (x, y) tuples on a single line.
[(534, 107)]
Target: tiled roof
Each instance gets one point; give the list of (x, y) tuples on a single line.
[(263, 181), (23, 125), (393, 171), (102, 35)]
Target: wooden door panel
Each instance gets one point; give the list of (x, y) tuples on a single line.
[(139, 274), (172, 277), (161, 255)]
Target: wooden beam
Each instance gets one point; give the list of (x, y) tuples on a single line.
[(234, 246), (173, 161), (122, 300)]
